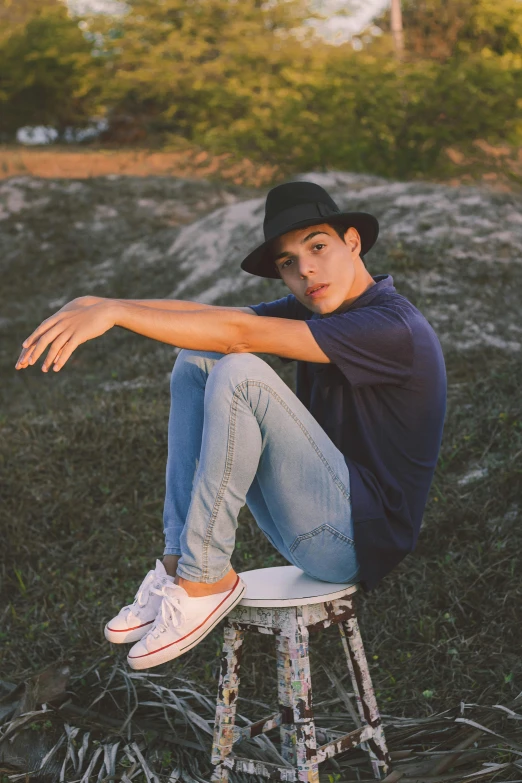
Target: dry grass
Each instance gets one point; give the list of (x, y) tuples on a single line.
[(497, 166), (112, 724)]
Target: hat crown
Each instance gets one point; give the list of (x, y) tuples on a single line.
[(291, 194)]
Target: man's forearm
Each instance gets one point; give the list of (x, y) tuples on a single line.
[(209, 329), (170, 304), (174, 304)]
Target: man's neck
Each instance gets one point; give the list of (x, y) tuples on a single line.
[(363, 280)]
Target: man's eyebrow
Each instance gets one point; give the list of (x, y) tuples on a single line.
[(309, 236)]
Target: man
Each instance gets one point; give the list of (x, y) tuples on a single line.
[(336, 476)]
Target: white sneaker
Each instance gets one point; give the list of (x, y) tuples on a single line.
[(182, 622), (134, 620)]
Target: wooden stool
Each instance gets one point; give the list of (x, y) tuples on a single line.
[(287, 603)]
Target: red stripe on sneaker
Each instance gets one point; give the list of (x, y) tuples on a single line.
[(153, 652), (124, 630)]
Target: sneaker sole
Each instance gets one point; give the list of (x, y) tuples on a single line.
[(172, 651), (130, 635)]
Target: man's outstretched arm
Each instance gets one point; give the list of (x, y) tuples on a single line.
[(87, 317), (223, 330)]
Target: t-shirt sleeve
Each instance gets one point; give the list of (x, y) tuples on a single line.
[(371, 346), (286, 307)]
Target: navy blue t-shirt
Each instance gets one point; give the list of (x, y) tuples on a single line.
[(382, 401)]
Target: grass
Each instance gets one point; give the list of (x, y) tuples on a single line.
[(82, 517)]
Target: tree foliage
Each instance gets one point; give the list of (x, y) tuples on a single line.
[(44, 62), (188, 66), (444, 29)]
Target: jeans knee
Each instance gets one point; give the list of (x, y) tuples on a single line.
[(241, 363), (235, 368), (181, 362), (189, 358), (187, 354)]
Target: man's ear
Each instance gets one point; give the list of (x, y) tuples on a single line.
[(353, 240)]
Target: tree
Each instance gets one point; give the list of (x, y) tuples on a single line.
[(396, 27), (44, 60), (441, 29), (186, 66), (15, 14)]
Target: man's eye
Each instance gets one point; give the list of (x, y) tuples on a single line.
[(319, 244)]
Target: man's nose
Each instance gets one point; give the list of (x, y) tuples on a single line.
[(307, 266)]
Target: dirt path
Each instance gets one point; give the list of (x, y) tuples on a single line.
[(67, 163), (494, 168)]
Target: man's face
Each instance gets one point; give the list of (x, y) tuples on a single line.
[(316, 254)]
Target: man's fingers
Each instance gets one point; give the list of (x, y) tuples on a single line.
[(65, 329), (64, 354), (38, 332), (30, 355), (57, 346), (25, 356), (45, 340)]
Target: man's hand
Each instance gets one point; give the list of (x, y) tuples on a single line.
[(76, 322)]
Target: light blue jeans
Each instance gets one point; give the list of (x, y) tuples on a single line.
[(238, 434)]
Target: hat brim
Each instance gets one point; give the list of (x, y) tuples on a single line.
[(259, 262)]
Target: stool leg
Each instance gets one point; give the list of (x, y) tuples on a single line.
[(366, 701), (226, 701), (284, 695), (306, 744)]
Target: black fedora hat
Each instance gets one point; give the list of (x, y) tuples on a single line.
[(295, 205)]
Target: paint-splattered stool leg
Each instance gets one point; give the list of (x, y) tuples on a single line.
[(306, 745), (284, 694), (365, 696), (226, 701)]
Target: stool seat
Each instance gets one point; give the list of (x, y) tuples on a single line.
[(288, 586), (288, 604)]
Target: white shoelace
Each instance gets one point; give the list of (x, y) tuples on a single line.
[(170, 612), (143, 589)]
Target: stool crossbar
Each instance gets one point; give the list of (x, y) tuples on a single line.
[(287, 603)]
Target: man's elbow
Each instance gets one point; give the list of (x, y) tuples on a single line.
[(238, 348), (239, 341)]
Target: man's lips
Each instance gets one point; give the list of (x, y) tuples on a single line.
[(320, 290)]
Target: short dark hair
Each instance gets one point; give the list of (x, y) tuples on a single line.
[(339, 228)]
